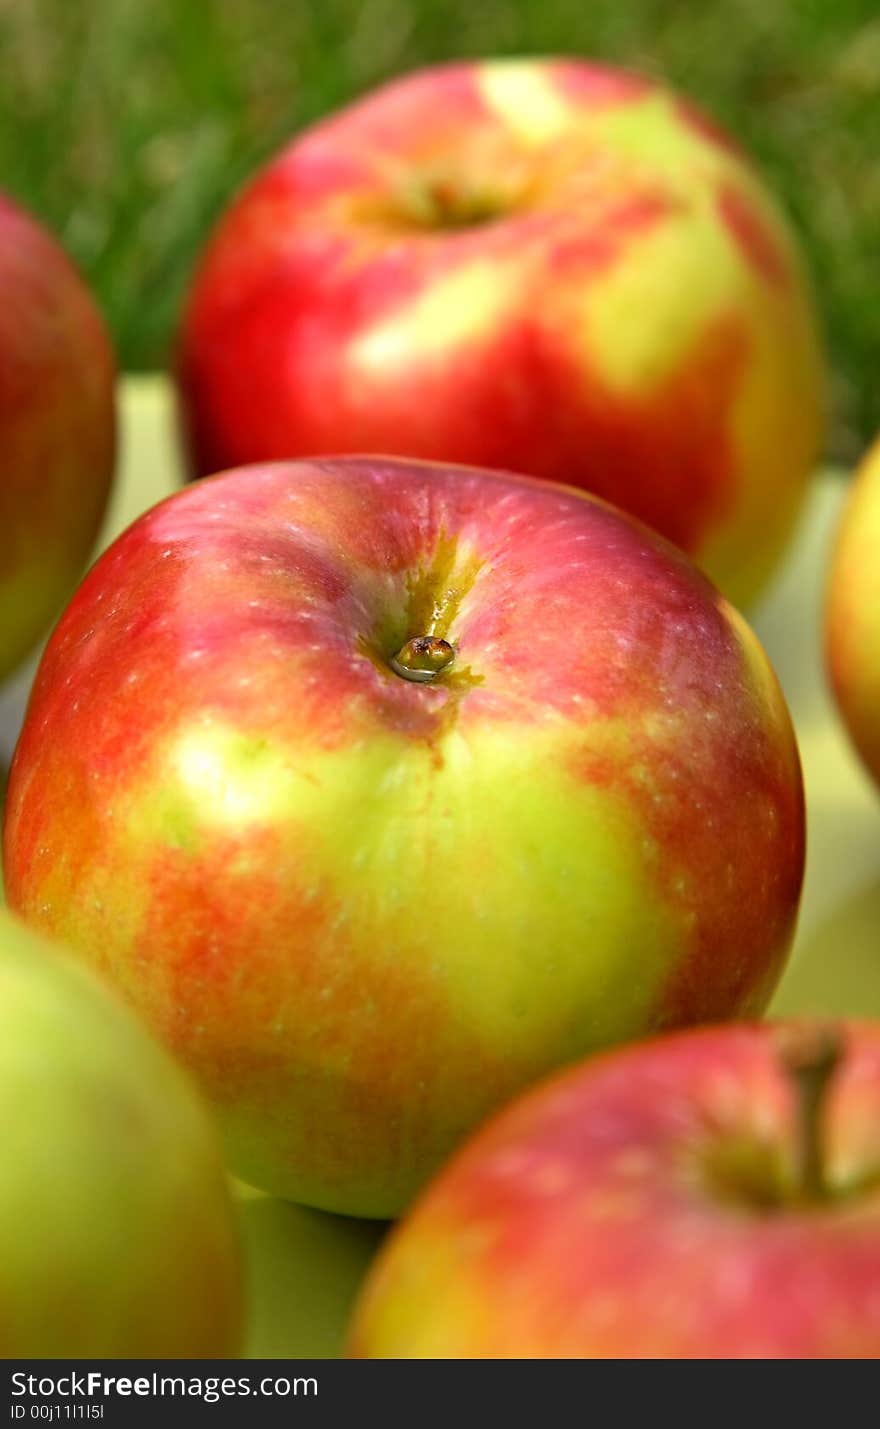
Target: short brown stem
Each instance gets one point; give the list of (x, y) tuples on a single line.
[(810, 1055)]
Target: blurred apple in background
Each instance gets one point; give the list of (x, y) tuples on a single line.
[(715, 1194), (116, 1230), (384, 787), (852, 630), (544, 266), (56, 430)]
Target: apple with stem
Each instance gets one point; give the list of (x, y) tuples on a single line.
[(383, 788), (541, 265), (57, 430), (709, 1194), (117, 1237), (852, 614)]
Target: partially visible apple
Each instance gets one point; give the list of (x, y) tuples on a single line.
[(713, 1194), (852, 617), (383, 788), (116, 1229), (545, 266), (57, 430)]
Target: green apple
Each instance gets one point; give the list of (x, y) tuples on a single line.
[(117, 1236)]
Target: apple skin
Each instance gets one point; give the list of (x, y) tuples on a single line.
[(57, 430), (116, 1226), (366, 911), (586, 1220), (543, 266), (852, 613)]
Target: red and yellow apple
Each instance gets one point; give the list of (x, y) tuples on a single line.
[(117, 1236), (57, 430), (712, 1194), (549, 267), (852, 617), (382, 788)]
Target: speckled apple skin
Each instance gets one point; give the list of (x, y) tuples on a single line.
[(852, 617), (57, 430), (117, 1235), (585, 1221), (366, 911), (632, 318)]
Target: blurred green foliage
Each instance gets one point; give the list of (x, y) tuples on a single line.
[(126, 124)]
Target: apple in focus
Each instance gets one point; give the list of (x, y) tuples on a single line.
[(852, 615), (382, 788), (117, 1237), (543, 266), (709, 1194), (57, 430)]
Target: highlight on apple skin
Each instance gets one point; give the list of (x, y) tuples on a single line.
[(852, 615), (116, 1226), (710, 1194), (57, 430), (544, 266), (382, 788)]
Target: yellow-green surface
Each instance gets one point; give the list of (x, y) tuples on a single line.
[(304, 1266)]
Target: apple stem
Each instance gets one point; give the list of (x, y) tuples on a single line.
[(810, 1057)]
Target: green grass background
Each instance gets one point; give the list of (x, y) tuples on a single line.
[(126, 124)]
